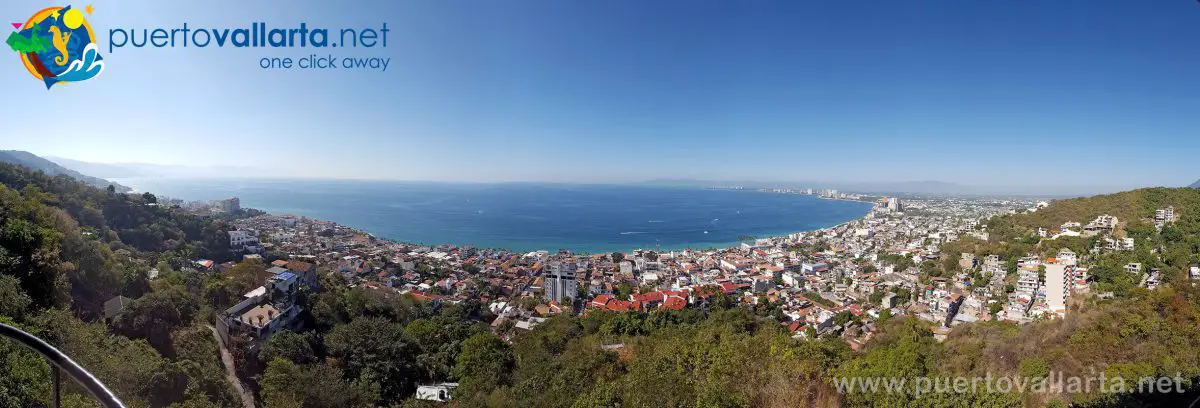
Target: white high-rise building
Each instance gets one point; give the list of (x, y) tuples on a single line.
[(230, 205), (893, 204), (1056, 289), (560, 280)]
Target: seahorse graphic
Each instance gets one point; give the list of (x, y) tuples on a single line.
[(60, 43)]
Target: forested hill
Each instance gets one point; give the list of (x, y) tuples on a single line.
[(1132, 208), (1172, 250), (66, 248), (34, 162), (60, 237)]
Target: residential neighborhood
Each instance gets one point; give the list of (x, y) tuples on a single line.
[(832, 281)]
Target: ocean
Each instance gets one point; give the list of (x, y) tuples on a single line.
[(527, 216)]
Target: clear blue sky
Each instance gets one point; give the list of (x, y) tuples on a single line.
[(978, 92)]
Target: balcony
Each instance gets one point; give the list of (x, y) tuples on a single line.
[(60, 363)]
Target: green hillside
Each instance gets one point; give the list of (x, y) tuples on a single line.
[(65, 248), (1172, 250), (1132, 208), (34, 162)]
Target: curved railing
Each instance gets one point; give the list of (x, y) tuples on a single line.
[(59, 361)]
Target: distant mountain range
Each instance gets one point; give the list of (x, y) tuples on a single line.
[(98, 169), (927, 187), (133, 170), (34, 162)]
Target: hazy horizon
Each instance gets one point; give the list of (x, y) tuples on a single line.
[(1027, 94), (148, 171)]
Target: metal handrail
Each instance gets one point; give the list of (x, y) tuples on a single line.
[(60, 361)]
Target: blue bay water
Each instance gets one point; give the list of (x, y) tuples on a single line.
[(524, 217)]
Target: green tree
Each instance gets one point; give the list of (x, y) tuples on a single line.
[(376, 350), (286, 384), (24, 375), (484, 363), (289, 345), (624, 291), (995, 308), (13, 300), (154, 316), (137, 378)]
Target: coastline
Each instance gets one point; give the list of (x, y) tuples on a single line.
[(702, 246), (525, 217)]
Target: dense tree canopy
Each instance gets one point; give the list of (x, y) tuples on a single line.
[(376, 350), (65, 248)]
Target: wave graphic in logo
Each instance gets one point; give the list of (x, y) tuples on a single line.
[(57, 45)]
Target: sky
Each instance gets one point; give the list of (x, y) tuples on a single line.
[(984, 92)]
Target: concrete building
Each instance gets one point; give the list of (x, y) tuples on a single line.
[(1027, 281), (1057, 286), (1164, 216), (230, 205), (967, 261), (560, 281), (1101, 225), (889, 301), (262, 312), (243, 241), (1067, 257), (1133, 267)]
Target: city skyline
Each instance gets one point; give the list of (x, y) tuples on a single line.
[(993, 94)]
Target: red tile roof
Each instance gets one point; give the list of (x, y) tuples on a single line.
[(795, 326), (649, 297), (601, 300), (299, 266), (619, 305), (674, 303)]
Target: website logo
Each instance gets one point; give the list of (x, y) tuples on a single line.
[(57, 45)]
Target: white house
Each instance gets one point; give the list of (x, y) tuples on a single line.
[(1067, 257), (242, 240)]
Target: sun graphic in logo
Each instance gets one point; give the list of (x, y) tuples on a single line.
[(57, 45)]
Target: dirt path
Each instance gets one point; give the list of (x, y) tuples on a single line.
[(230, 373)]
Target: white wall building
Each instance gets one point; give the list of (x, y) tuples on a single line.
[(1057, 286), (242, 239), (560, 281), (231, 205)]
